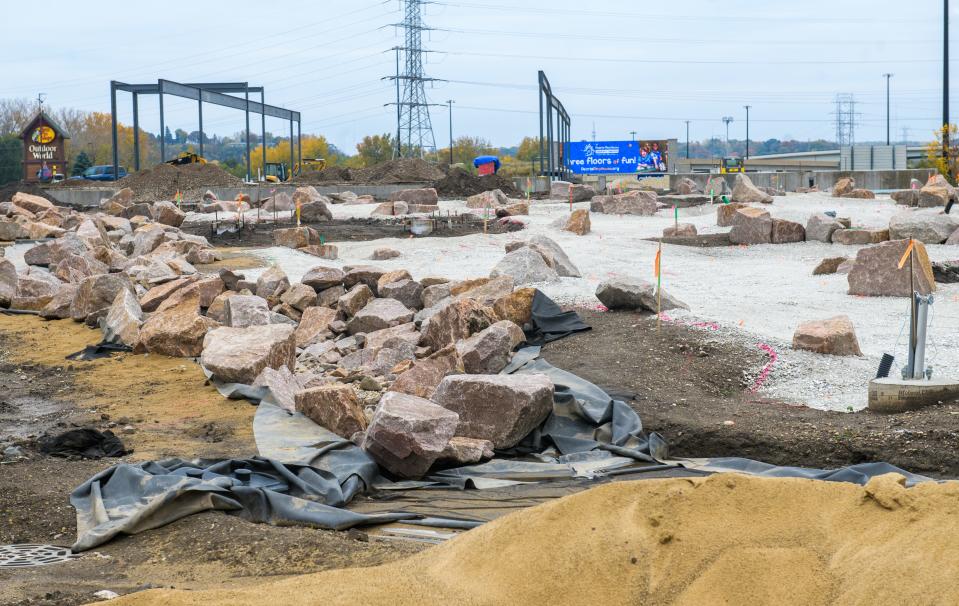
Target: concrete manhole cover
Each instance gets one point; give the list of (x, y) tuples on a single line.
[(20, 556)]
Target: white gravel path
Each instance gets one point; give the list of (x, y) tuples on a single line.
[(755, 294)]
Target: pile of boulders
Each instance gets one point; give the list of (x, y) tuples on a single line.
[(635, 202), (936, 192), (407, 369), (408, 202), (496, 202), (846, 188), (575, 192)]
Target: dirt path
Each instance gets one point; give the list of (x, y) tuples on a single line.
[(688, 387), (171, 412)]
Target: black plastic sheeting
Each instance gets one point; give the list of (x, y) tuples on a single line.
[(100, 350), (85, 443), (307, 475), (549, 323)]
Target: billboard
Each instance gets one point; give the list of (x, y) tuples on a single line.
[(617, 157)]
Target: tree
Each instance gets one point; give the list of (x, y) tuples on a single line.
[(180, 136), (934, 156), (14, 114), (11, 156), (168, 136), (81, 163), (528, 149), (375, 149)]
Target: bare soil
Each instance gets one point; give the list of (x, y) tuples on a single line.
[(687, 386)]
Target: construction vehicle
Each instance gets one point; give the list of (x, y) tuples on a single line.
[(732, 165), (186, 158), (276, 172)]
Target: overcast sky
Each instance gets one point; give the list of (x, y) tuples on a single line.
[(617, 66)]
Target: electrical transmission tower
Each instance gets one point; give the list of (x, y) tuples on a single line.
[(414, 130), (845, 119)]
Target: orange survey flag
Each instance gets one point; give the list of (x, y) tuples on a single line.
[(656, 264), (905, 255)]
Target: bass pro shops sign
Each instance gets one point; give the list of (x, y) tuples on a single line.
[(44, 153)]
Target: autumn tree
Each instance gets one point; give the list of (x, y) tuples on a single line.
[(528, 149), (374, 149)]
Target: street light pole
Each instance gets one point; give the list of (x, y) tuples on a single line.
[(945, 82), (726, 121), (632, 135), (687, 139), (450, 103), (747, 130), (887, 76)]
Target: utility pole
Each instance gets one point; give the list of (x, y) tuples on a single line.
[(747, 132), (687, 139), (449, 102), (945, 83), (632, 135), (887, 76), (726, 121)]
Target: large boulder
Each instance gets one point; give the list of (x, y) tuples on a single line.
[(54, 251), (314, 212), (58, 307), (637, 202), (829, 265), (354, 300), (96, 293), (35, 288), (177, 331), (278, 203), (323, 251), (30, 202), (315, 322), (578, 222), (154, 297), (272, 283), (363, 274), (836, 336), (859, 237), (751, 226), (207, 289), (680, 230), (928, 226), (551, 252), (238, 355), (843, 186), (635, 294), (687, 186), (75, 268), (484, 290), (726, 212), (242, 311), (333, 406), (456, 320), (123, 320), (488, 351), (322, 278), (820, 228), (516, 306), (146, 239), (907, 197), (426, 196), (876, 272), (744, 191), (299, 296), (861, 194), (488, 199), (503, 409), (379, 314), (425, 374), (408, 434), (716, 187), (785, 232), (525, 266), (168, 214), (8, 282), (407, 292), (296, 237)]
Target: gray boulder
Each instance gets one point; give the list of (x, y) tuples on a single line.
[(242, 311), (503, 409), (239, 355), (379, 314), (407, 434), (820, 228), (930, 227), (525, 266), (744, 191), (322, 278), (635, 294), (407, 292), (123, 320), (488, 351), (8, 282)]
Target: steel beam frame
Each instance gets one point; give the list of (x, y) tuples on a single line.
[(204, 92), (553, 119)]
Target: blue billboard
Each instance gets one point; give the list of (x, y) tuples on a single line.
[(617, 157)]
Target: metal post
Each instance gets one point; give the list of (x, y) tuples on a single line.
[(162, 131), (450, 103), (136, 132), (263, 131), (541, 129), (299, 142), (687, 139), (888, 76), (291, 149), (747, 136), (922, 316), (113, 124), (549, 140), (399, 113), (199, 111), (246, 94), (945, 83)]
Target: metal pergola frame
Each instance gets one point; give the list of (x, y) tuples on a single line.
[(548, 164), (209, 92)]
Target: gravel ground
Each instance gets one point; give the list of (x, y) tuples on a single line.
[(755, 295)]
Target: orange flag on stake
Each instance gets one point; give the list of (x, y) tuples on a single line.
[(905, 255)]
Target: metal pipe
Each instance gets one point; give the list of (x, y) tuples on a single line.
[(136, 132), (162, 131), (291, 149), (246, 93), (945, 83), (919, 362), (541, 124), (888, 76), (299, 143), (113, 124), (199, 111), (263, 131)]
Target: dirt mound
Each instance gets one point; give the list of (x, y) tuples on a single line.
[(7, 191), (163, 181), (460, 184), (330, 174), (404, 170), (725, 539)]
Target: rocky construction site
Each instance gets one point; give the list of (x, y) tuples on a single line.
[(437, 395)]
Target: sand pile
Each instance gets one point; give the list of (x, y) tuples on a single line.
[(162, 181), (330, 174), (461, 184), (726, 539), (403, 170)]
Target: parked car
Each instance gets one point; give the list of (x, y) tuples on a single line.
[(103, 172)]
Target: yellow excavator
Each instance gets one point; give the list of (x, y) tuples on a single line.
[(276, 172), (186, 158)]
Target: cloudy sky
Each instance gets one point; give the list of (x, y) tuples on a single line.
[(617, 66)]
